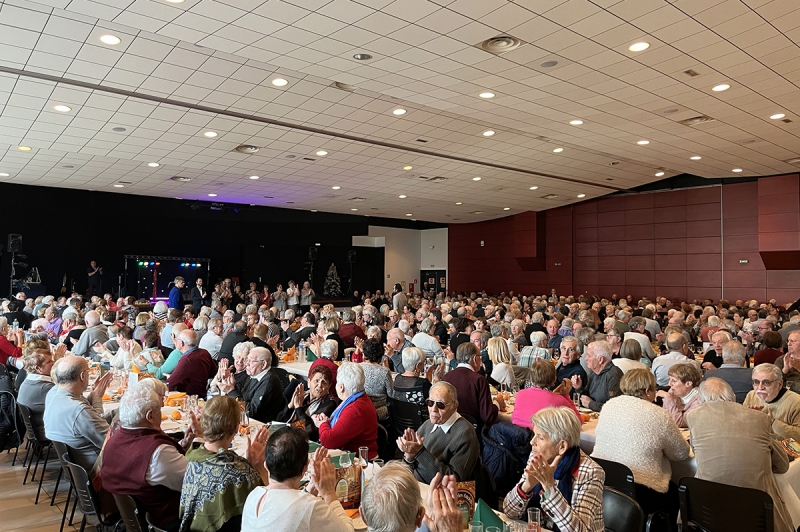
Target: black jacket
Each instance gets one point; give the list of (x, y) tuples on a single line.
[(264, 399), (230, 341), (197, 300), (295, 337)]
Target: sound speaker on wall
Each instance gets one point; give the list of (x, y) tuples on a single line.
[(351, 256), (14, 243)]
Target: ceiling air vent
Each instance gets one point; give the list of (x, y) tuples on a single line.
[(476, 212), (696, 120), (432, 179), (422, 140), (786, 121), (308, 159), (795, 161), (180, 179), (344, 86), (358, 199), (691, 73), (500, 44), (247, 149), (551, 196)]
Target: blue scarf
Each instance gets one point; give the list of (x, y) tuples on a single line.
[(565, 469), (336, 413)]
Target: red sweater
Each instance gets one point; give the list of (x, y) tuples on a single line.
[(474, 395), (7, 349), (357, 427), (349, 332), (192, 373)]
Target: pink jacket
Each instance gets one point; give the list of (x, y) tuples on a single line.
[(673, 406), (531, 400)]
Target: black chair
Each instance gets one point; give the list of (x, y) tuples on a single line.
[(620, 477), (383, 441), (62, 450), (151, 527), (85, 495), (15, 437), (621, 513), (474, 422), (133, 519), (40, 445), (711, 506), (405, 415)]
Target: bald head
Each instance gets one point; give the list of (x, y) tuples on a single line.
[(68, 371), (187, 339), (92, 318)]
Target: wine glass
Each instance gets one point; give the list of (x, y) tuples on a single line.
[(344, 460), (363, 457)]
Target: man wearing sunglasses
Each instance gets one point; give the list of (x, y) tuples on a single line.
[(446, 443), (771, 397)]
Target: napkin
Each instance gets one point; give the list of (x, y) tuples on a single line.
[(310, 356), (486, 515)]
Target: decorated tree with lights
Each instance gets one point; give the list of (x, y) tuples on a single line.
[(333, 285)]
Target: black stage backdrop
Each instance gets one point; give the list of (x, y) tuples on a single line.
[(64, 229)]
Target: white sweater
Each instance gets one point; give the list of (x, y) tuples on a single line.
[(642, 436), (292, 511)]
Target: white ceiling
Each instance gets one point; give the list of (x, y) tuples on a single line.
[(223, 55)]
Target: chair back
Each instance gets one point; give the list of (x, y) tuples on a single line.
[(129, 511), (621, 513), (349, 351), (618, 476), (150, 526), (34, 432), (383, 440), (405, 415), (87, 499), (12, 436), (712, 506)]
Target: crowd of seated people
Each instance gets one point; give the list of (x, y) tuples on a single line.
[(633, 363)]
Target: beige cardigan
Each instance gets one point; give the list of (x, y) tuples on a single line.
[(785, 410)]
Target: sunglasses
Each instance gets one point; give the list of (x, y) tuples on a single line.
[(439, 404)]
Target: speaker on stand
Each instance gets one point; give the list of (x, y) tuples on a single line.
[(351, 259)]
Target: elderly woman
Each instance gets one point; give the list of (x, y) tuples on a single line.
[(139, 326), (414, 384), (614, 337), (635, 432), (563, 482), (377, 377), (326, 352), (127, 354), (682, 398), (37, 361), (537, 350), (218, 480), (630, 356), (200, 327), (317, 400), (771, 344), (538, 395), (160, 311), (10, 352), (354, 423), (502, 372), (240, 376), (151, 353)]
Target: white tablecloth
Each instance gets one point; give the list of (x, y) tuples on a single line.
[(298, 368)]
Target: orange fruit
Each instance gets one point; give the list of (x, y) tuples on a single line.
[(176, 415)]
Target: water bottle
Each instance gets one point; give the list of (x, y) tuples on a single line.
[(15, 326), (301, 351)]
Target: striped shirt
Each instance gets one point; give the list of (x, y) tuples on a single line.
[(583, 514)]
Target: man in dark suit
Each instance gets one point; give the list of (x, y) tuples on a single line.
[(307, 327), (199, 295), (262, 392), (733, 371), (474, 396), (236, 336)]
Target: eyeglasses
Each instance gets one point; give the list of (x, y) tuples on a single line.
[(439, 404), (765, 383)]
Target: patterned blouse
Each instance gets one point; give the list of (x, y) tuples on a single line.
[(378, 385)]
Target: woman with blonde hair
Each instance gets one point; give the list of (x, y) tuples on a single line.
[(502, 372)]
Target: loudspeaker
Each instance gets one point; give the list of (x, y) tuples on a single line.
[(351, 256), (312, 253), (14, 243)]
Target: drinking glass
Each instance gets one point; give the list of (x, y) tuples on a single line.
[(363, 457), (377, 463), (492, 529), (244, 423), (576, 400), (344, 460), (534, 520), (475, 526)]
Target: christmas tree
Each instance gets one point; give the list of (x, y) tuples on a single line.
[(333, 286)]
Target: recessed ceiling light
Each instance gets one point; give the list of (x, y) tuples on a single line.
[(409, 214), (486, 95), (721, 87), (337, 187), (3, 174), (212, 195), (488, 133), (65, 109), (313, 210), (659, 174), (354, 209), (737, 170), (639, 46), (534, 188), (576, 122), (581, 195), (322, 153), (23, 148), (362, 57), (476, 178), (777, 116), (409, 167), (110, 39), (211, 134), (695, 157), (558, 150), (254, 177), (459, 203), (119, 186), (402, 196), (642, 142), (279, 82), (153, 165), (506, 208), (175, 1), (398, 112)]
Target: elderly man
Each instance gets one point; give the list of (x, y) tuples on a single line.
[(307, 328), (782, 406), (792, 325), (174, 316), (195, 367), (95, 332), (73, 419), (639, 333), (732, 370), (53, 327), (395, 343), (790, 362), (154, 463), (752, 456), (569, 363), (476, 397), (212, 339), (453, 450), (553, 338), (713, 357), (603, 379), (262, 392), (480, 339), (678, 350)]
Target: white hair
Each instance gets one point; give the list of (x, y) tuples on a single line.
[(351, 376), (601, 348), (135, 404), (425, 326), (188, 337), (558, 423), (404, 326), (154, 384), (713, 321), (160, 308), (537, 337), (92, 318), (734, 353), (412, 356), (263, 355), (715, 389), (242, 349), (329, 349), (392, 499), (3, 322)]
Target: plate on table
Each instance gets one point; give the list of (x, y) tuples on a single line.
[(584, 410)]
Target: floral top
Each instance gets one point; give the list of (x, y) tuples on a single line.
[(378, 385)]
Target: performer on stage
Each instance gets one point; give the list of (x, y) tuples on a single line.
[(175, 295), (95, 279), (199, 295)]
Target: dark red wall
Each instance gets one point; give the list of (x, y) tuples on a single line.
[(667, 244)]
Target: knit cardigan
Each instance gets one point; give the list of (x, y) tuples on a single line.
[(785, 411), (640, 435)]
